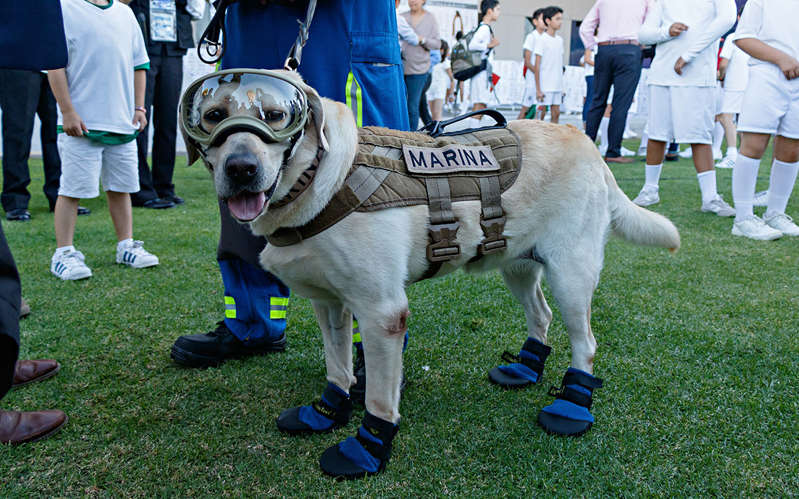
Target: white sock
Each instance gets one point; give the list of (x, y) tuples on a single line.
[(707, 184), (783, 178), (63, 249), (732, 152), (718, 136), (124, 243), (744, 178), (653, 175), (603, 132)]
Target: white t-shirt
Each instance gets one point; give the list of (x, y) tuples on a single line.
[(707, 21), (529, 45), (440, 79), (773, 22), (737, 69), (104, 46), (481, 39), (550, 48), (588, 69)]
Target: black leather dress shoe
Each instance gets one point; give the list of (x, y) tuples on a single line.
[(212, 349), (155, 204), (174, 198), (18, 215), (82, 210)]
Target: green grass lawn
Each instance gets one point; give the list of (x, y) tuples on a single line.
[(699, 352)]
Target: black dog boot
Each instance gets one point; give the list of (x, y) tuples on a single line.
[(570, 413), (524, 369), (365, 454), (332, 411)]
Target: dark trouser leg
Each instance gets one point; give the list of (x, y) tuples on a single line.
[(626, 73), (165, 122), (147, 191), (9, 315), (19, 96), (413, 87), (589, 95), (603, 80), (424, 110), (48, 115)]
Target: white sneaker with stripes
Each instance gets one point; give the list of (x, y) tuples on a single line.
[(134, 255), (70, 266), (754, 227), (782, 223)]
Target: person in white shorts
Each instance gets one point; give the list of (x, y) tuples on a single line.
[(734, 76), (767, 32), (100, 97), (549, 64), (682, 86), (480, 85), (529, 62), (442, 84)]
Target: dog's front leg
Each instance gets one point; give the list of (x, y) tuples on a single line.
[(334, 409), (383, 327), (336, 324)]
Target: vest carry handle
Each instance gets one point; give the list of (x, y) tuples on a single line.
[(436, 128)]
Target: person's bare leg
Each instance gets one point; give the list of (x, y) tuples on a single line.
[(121, 214), (476, 107), (786, 150), (65, 216), (436, 109), (655, 150), (703, 157), (542, 112), (730, 131), (555, 113), (523, 112)]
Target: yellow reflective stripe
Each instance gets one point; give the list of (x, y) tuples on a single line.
[(277, 300), (230, 307), (229, 300), (356, 332), (353, 91), (356, 338), (277, 314), (230, 314)]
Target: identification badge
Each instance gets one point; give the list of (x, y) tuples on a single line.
[(163, 21), (450, 159)]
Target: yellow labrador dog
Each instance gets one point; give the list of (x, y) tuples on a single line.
[(564, 204)]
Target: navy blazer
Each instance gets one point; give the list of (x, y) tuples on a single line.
[(32, 35)]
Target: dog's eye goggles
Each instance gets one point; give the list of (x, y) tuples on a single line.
[(259, 101)]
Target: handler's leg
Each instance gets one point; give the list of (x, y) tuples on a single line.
[(523, 278)]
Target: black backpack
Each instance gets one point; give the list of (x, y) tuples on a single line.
[(467, 63)]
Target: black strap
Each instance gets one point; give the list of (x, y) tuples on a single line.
[(339, 409), (436, 128), (567, 392), (295, 53), (380, 429)]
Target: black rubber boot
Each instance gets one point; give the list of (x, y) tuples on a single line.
[(570, 413), (332, 411), (524, 369), (212, 349), (365, 454)]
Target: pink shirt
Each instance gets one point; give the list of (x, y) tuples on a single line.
[(617, 20)]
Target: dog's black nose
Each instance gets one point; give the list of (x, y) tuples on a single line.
[(241, 168)]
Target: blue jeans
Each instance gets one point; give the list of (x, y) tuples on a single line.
[(414, 85), (618, 66)]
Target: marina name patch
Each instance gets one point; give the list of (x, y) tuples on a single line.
[(449, 159)]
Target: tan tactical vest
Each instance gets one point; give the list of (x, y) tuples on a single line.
[(395, 169)]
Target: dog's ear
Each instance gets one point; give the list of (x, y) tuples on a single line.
[(191, 151), (317, 112)]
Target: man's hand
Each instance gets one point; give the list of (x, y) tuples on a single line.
[(73, 125), (539, 95), (140, 119), (722, 71), (789, 67), (677, 28), (679, 65)]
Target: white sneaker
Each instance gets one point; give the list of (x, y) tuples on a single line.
[(718, 206), (716, 154), (761, 199), (641, 151), (755, 228), (136, 256), (726, 163), (626, 152), (629, 134), (70, 266), (782, 223), (688, 153), (648, 196)]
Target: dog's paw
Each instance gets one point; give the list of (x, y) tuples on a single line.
[(570, 413), (524, 369), (332, 411), (365, 454)]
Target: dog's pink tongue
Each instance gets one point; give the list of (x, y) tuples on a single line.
[(247, 205)]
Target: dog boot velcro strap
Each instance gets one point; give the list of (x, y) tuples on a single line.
[(332, 411), (570, 413), (523, 369), (365, 454)]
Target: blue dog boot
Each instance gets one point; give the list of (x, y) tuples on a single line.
[(570, 413), (332, 411), (524, 369), (365, 454)]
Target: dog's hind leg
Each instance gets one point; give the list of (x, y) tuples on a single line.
[(523, 278), (573, 276), (334, 409), (383, 326)]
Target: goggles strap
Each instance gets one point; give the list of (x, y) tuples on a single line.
[(302, 183), (295, 54)]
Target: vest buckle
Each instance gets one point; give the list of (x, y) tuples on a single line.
[(442, 245), (493, 240)]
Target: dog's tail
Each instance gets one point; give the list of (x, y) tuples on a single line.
[(638, 225)]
